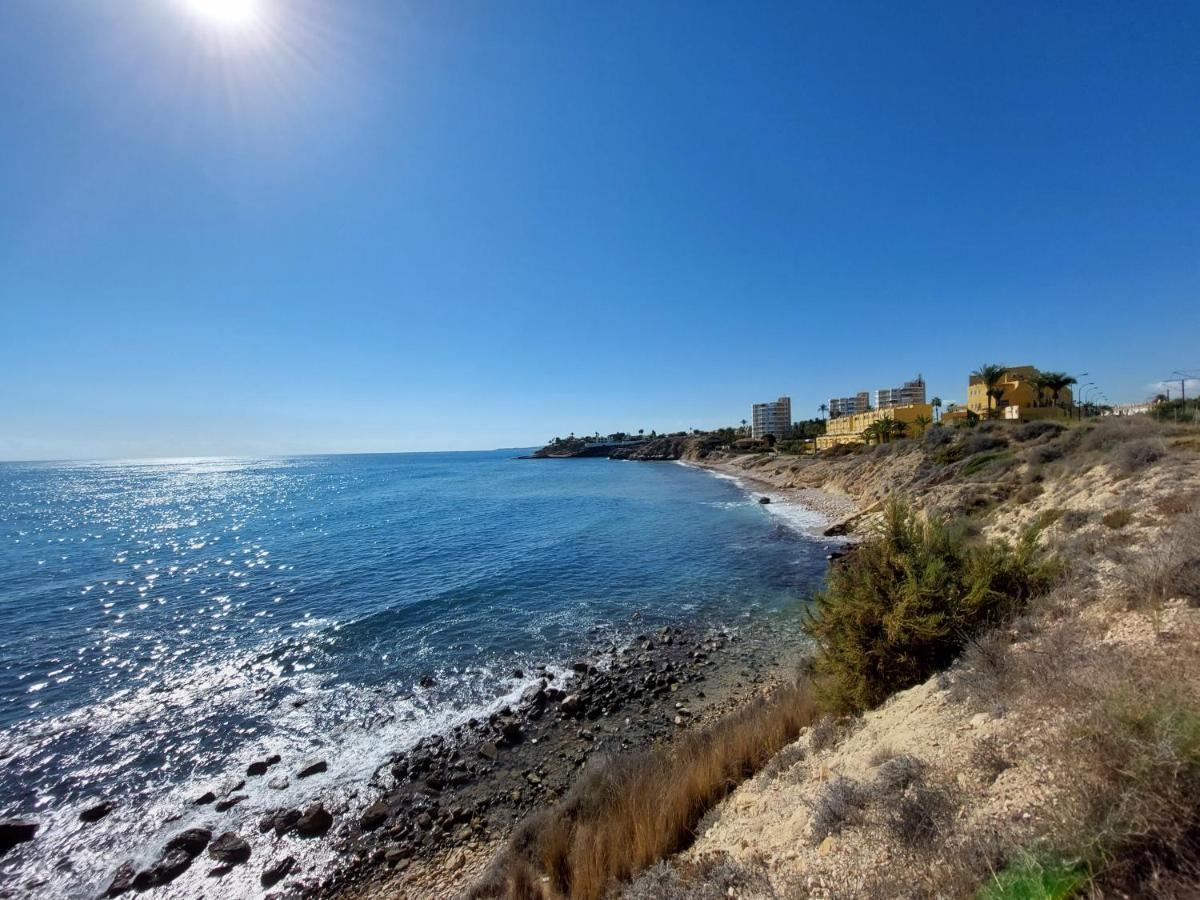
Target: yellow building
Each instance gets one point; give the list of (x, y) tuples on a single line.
[(1018, 389), (849, 429)]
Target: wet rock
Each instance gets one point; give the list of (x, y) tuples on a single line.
[(97, 812), (314, 821), (488, 750), (374, 816), (205, 798), (511, 729), (278, 783), (229, 848), (424, 821), (277, 871), (764, 500), (172, 864), (427, 681), (230, 802), (285, 821), (192, 841), (571, 704), (122, 880), (311, 767)]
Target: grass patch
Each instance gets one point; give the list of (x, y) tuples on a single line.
[(1033, 879), (627, 813), (904, 604), (981, 461)]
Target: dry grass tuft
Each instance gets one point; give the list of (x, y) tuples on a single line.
[(715, 877), (841, 803), (1117, 518), (1166, 571), (628, 812)]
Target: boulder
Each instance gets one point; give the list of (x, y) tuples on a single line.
[(571, 704), (277, 871), (15, 831), (172, 864), (488, 750), (374, 816), (278, 783), (314, 821), (427, 681), (311, 767), (192, 841), (205, 798), (122, 879), (97, 811), (511, 729), (229, 848), (286, 821), (230, 802)]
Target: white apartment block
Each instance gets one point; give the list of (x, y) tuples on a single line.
[(908, 393), (848, 406), (771, 418)]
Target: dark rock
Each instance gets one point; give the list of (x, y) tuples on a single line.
[(258, 767), (205, 798), (374, 816), (571, 704), (230, 802), (172, 864), (424, 821), (312, 767), (314, 821), (277, 871), (229, 848), (511, 729), (192, 842), (15, 831), (286, 821), (488, 750), (764, 499), (122, 879), (97, 812), (427, 681)]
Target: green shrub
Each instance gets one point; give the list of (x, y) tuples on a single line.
[(906, 601), (983, 460), (1118, 518), (1031, 879)]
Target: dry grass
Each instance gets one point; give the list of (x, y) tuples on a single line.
[(628, 812), (1117, 518), (1167, 570)]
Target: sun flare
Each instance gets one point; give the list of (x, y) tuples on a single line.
[(226, 13)]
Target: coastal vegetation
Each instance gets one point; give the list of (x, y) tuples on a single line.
[(1020, 612)]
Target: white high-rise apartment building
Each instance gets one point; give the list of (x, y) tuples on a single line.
[(771, 418), (907, 394)]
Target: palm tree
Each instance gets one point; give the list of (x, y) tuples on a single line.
[(936, 403), (823, 409), (921, 423), (743, 426), (1056, 381), (990, 374)]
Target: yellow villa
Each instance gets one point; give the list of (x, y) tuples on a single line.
[(1020, 397), (849, 429)]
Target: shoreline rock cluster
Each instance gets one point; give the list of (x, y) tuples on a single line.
[(450, 792)]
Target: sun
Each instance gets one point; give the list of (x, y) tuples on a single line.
[(226, 13)]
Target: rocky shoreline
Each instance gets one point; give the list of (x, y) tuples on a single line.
[(453, 795)]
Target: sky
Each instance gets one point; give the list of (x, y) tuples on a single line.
[(291, 226)]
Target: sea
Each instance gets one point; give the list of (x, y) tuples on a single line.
[(164, 622)]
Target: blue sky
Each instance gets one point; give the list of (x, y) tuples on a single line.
[(368, 226)]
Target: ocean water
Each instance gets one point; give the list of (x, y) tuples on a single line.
[(162, 623)]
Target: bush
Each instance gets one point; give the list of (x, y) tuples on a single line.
[(1032, 879), (1117, 518), (838, 805), (1032, 431), (1045, 453), (1029, 493), (936, 436), (1167, 570), (1138, 454), (904, 604), (981, 441)]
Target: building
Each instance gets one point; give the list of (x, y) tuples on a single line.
[(774, 418), (1018, 388), (906, 395), (848, 406), (849, 429)]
